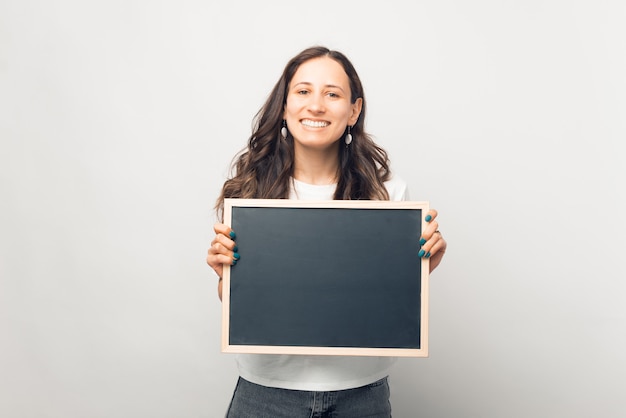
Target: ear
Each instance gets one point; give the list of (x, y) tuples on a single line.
[(356, 111)]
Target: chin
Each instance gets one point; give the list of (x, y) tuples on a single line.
[(317, 144)]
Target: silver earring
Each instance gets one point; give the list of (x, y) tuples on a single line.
[(348, 138), (283, 130)]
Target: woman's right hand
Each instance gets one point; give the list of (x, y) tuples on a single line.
[(223, 250)]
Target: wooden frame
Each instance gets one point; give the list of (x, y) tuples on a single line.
[(261, 279)]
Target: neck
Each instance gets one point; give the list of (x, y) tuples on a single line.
[(316, 167)]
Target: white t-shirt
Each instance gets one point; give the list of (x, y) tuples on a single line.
[(318, 373)]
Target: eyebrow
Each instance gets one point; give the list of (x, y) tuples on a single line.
[(306, 83)]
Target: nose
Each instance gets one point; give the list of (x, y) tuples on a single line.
[(316, 103)]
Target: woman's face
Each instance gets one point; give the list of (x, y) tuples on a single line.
[(318, 107)]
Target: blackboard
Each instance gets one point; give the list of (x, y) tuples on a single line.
[(326, 278)]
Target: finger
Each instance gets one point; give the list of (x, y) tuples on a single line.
[(429, 231), (218, 251), (217, 261), (429, 243), (217, 267), (435, 259), (225, 242), (431, 215), (436, 244), (225, 230)]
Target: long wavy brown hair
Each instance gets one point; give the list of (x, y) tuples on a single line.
[(264, 169)]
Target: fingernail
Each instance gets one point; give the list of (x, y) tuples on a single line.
[(234, 263), (429, 218), (422, 241), (232, 234), (236, 249), (427, 255), (421, 253), (237, 256)]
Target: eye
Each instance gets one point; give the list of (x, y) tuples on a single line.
[(302, 92)]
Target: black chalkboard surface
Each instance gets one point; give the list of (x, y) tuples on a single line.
[(326, 278)]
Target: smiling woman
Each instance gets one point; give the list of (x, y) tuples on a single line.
[(268, 166), (309, 143)]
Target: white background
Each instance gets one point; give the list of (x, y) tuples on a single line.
[(118, 121)]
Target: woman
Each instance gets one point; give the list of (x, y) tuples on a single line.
[(309, 143)]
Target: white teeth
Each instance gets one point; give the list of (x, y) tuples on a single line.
[(314, 124)]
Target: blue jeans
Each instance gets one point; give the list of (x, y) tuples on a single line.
[(255, 401)]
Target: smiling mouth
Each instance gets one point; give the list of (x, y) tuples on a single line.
[(314, 123)]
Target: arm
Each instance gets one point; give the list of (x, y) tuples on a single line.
[(223, 250)]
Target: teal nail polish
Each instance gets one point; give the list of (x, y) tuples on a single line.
[(237, 256), (427, 255), (236, 249), (234, 263), (429, 218), (422, 241), (421, 253), (232, 234)]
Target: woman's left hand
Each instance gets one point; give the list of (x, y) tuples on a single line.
[(433, 244)]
